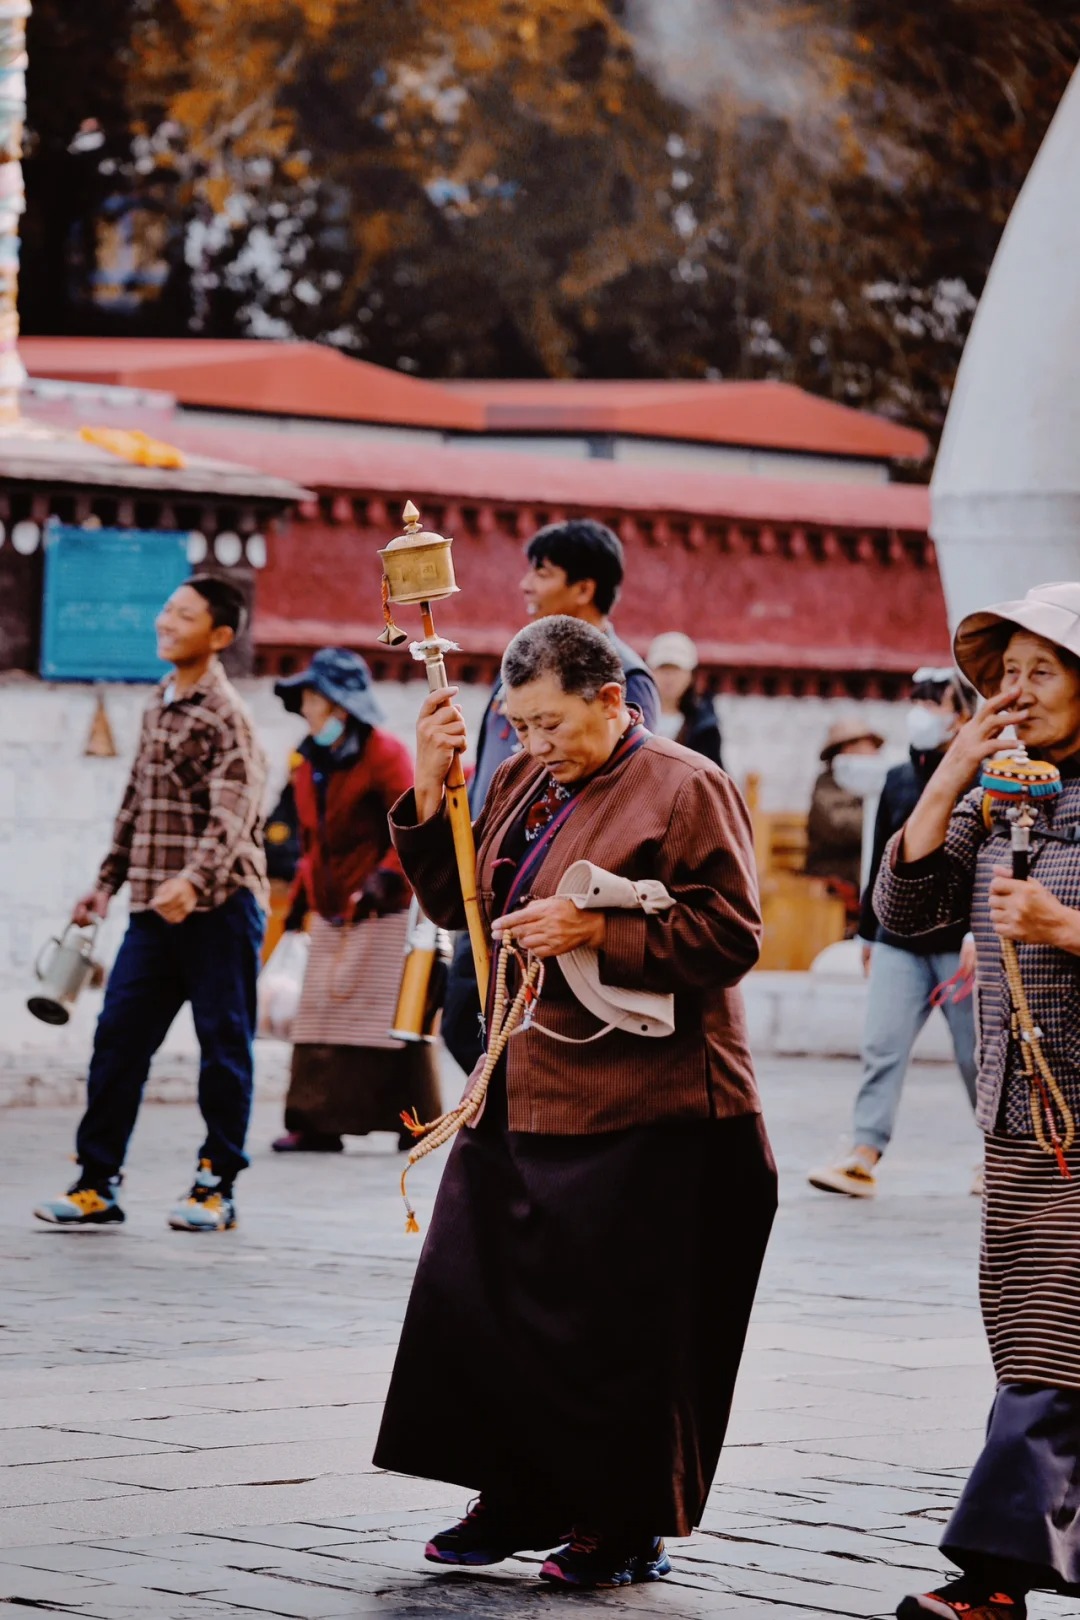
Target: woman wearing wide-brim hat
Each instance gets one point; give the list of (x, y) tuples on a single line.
[(1017, 1525), (348, 1076), (834, 825)]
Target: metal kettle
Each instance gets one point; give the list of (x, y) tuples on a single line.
[(63, 972)]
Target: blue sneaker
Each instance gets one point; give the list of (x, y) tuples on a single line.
[(592, 1563), (485, 1536), (208, 1207), (86, 1203)]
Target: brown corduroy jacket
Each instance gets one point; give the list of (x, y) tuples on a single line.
[(665, 813)]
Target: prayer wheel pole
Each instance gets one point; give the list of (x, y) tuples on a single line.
[(417, 571)]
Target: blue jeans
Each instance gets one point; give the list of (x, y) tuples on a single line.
[(901, 985), (212, 960)]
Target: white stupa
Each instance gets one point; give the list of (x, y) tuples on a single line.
[(1005, 496)]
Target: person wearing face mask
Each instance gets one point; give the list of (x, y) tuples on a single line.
[(834, 827), (905, 973), (348, 1077)]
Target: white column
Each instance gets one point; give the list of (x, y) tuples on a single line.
[(1005, 496)]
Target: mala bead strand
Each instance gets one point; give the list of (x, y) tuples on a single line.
[(504, 1023), (1046, 1094)]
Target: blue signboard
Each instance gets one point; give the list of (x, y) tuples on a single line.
[(103, 590)]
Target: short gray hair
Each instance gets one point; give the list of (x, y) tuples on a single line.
[(581, 658)]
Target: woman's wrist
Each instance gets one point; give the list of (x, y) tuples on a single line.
[(429, 798), (1067, 932)]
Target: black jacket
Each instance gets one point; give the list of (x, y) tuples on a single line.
[(901, 793), (701, 729)]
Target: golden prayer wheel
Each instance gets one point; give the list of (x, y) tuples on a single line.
[(418, 568)]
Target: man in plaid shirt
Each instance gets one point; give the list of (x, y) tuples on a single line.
[(188, 841)]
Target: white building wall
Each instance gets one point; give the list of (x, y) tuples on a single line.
[(730, 460)]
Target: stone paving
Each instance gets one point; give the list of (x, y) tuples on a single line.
[(186, 1423)]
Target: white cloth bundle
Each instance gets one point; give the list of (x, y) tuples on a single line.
[(638, 1012)]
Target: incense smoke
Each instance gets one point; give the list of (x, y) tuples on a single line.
[(708, 51)]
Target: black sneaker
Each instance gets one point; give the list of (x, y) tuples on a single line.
[(591, 1562), (486, 1536), (208, 1207), (87, 1203), (968, 1598)]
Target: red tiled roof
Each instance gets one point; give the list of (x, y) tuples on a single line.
[(313, 380), (765, 415), (280, 379)]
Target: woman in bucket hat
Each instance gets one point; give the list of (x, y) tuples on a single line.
[(1017, 1525), (348, 1077)]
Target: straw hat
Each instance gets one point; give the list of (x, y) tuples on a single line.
[(842, 732), (1050, 611), (675, 649)]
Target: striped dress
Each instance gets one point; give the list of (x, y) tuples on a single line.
[(1031, 1224)]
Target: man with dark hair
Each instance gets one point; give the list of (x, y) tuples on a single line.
[(188, 840), (574, 568)]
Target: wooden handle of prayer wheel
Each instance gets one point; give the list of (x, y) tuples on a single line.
[(457, 805)]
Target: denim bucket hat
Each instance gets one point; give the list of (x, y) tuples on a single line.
[(340, 675)]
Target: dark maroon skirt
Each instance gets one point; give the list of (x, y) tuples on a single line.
[(352, 1090), (585, 1300)]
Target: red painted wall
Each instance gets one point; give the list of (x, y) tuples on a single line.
[(786, 603)]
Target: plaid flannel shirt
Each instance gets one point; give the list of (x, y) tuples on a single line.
[(192, 807), (952, 883)]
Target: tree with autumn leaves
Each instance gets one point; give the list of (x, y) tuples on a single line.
[(735, 188)]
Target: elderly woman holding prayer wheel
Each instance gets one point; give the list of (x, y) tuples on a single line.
[(597, 1237), (1017, 1526)]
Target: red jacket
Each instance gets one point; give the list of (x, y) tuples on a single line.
[(343, 847)]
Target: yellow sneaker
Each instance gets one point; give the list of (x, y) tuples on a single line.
[(208, 1207), (853, 1176), (84, 1204)]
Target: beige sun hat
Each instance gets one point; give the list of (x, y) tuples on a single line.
[(673, 648), (1049, 611), (849, 730)]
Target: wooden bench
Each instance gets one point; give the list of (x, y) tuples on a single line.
[(800, 916)]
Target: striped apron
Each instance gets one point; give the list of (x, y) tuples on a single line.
[(1029, 1266), (351, 985)]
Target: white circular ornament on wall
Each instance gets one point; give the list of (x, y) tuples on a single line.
[(228, 549), (25, 537)]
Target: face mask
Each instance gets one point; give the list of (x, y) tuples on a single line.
[(860, 774), (927, 729), (331, 732)]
